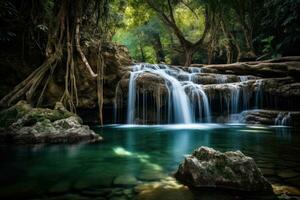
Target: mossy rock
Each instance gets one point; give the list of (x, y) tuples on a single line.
[(40, 114), (12, 114), (25, 115)]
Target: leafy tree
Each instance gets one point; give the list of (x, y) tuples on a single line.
[(166, 10), (280, 28)]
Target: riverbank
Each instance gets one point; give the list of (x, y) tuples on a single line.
[(22, 124)]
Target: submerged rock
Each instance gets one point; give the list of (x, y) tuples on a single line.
[(26, 125), (284, 189), (166, 189), (151, 175), (207, 167), (125, 180)]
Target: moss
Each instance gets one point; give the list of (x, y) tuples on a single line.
[(44, 125), (29, 116), (12, 114), (39, 114)]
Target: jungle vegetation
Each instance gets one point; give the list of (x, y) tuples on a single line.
[(208, 31), (178, 32)]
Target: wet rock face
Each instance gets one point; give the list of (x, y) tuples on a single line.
[(212, 90), (26, 125), (271, 117), (146, 82), (207, 167), (282, 67), (208, 78), (116, 59)]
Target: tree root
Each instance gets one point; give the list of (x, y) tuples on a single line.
[(31, 83)]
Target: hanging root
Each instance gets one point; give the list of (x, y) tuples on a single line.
[(32, 82), (70, 92), (100, 72), (83, 58)]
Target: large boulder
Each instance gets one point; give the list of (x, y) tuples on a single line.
[(23, 124), (207, 167)]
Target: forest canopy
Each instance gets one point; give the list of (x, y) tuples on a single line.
[(226, 31), (170, 31), (54, 37)]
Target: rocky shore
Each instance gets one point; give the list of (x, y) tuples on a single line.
[(23, 124)]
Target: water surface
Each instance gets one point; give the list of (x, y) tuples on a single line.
[(145, 152)]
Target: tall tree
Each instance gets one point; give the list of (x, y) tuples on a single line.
[(165, 9)]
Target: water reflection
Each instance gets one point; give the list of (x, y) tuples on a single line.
[(181, 144), (143, 151), (283, 132)]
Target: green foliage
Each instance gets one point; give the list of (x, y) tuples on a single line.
[(190, 23), (237, 28), (32, 115), (139, 26), (281, 22)]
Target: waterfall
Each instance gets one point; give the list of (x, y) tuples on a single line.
[(222, 79), (178, 101), (283, 119), (132, 94), (195, 70), (259, 94), (182, 113), (235, 98), (199, 101), (243, 78), (179, 98)]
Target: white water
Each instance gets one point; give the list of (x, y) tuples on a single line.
[(132, 94), (259, 94), (184, 101), (178, 102), (198, 100), (283, 119), (234, 98)]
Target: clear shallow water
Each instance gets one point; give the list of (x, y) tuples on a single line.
[(145, 152)]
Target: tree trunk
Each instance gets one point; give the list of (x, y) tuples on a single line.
[(228, 54), (142, 52), (160, 56), (188, 57), (209, 55)]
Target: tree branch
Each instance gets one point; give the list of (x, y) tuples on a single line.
[(190, 8)]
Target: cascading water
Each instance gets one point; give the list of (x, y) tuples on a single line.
[(199, 101), (132, 94), (283, 119), (245, 93), (180, 98), (234, 98), (259, 94)]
